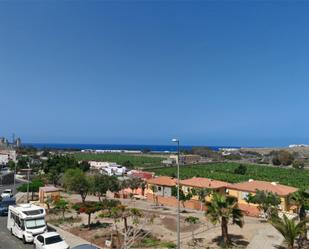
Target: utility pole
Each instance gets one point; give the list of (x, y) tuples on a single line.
[(178, 202), (28, 183)]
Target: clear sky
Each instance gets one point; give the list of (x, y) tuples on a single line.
[(209, 72)]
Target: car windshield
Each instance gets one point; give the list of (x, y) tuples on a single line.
[(7, 191), (35, 223), (53, 240)]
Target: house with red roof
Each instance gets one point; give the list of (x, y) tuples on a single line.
[(243, 189)]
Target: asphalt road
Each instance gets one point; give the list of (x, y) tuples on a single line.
[(11, 186), (8, 241)]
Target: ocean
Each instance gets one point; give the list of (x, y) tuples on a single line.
[(139, 147)]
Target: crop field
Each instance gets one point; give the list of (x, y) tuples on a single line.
[(138, 161), (225, 172)]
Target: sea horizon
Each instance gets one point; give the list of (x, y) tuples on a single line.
[(129, 147)]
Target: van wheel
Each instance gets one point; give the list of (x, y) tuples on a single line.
[(24, 240)]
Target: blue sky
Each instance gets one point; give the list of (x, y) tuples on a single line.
[(209, 72)]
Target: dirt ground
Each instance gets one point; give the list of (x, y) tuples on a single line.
[(206, 234)]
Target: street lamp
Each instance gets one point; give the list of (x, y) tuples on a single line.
[(14, 187), (175, 140), (28, 182)]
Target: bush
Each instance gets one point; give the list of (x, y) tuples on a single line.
[(282, 157), (298, 164), (276, 161), (241, 170), (285, 157)]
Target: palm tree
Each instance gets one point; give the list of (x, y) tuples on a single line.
[(301, 200), (289, 229), (221, 210)]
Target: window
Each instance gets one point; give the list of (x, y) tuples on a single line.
[(159, 188), (35, 223), (40, 239), (244, 195), (53, 240)]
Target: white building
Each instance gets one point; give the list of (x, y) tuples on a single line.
[(7, 155), (114, 170), (108, 168), (100, 165)]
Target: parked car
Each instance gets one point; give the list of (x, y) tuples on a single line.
[(50, 240), (85, 246), (7, 193), (4, 205)]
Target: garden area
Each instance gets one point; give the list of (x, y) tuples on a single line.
[(227, 172)]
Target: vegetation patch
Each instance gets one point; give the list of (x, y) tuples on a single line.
[(226, 172), (137, 161)]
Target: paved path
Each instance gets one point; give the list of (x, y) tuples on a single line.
[(70, 238), (267, 238)]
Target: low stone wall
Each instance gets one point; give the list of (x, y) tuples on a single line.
[(172, 202)]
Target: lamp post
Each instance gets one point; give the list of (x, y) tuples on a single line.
[(28, 182), (175, 140), (14, 187)]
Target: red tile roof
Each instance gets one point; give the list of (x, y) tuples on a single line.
[(253, 185), (200, 182), (142, 174), (163, 181)]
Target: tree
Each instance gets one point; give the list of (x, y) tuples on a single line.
[(11, 165), (34, 187), (154, 190), (88, 208), (202, 193), (22, 162), (49, 200), (103, 183), (282, 157), (276, 161), (286, 158), (135, 232), (62, 205), (298, 164), (222, 209), (76, 180), (45, 153), (240, 170), (135, 183), (289, 229), (267, 202), (301, 200), (128, 164), (192, 220), (183, 197), (84, 166), (56, 165)]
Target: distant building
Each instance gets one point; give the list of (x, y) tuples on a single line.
[(183, 159), (108, 168), (100, 165), (6, 155)]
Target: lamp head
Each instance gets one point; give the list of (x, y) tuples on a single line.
[(175, 140)]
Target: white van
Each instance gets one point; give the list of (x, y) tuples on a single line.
[(25, 221)]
